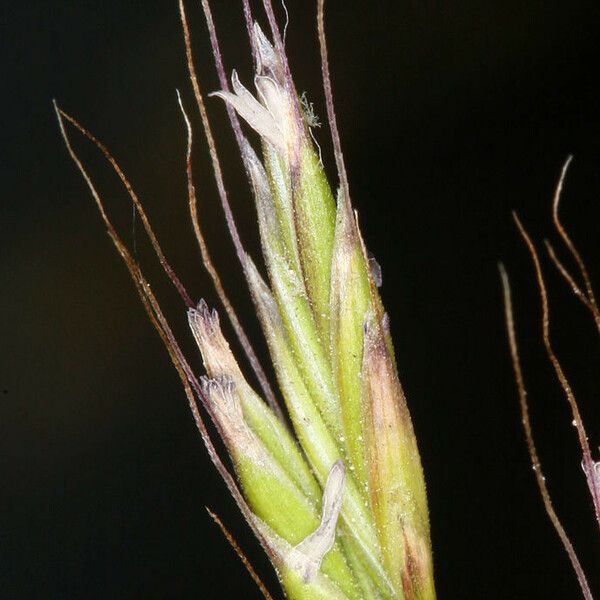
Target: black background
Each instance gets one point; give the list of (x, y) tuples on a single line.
[(451, 114)]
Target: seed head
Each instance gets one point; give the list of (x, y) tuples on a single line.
[(336, 496)]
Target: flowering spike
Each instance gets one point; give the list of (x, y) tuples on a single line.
[(340, 508), (329, 339)]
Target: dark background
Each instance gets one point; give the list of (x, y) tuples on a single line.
[(451, 114)]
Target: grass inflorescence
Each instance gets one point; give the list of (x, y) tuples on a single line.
[(338, 499)]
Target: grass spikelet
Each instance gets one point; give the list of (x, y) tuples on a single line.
[(338, 501)]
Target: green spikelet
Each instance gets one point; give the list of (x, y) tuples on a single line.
[(338, 499), (329, 341)]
